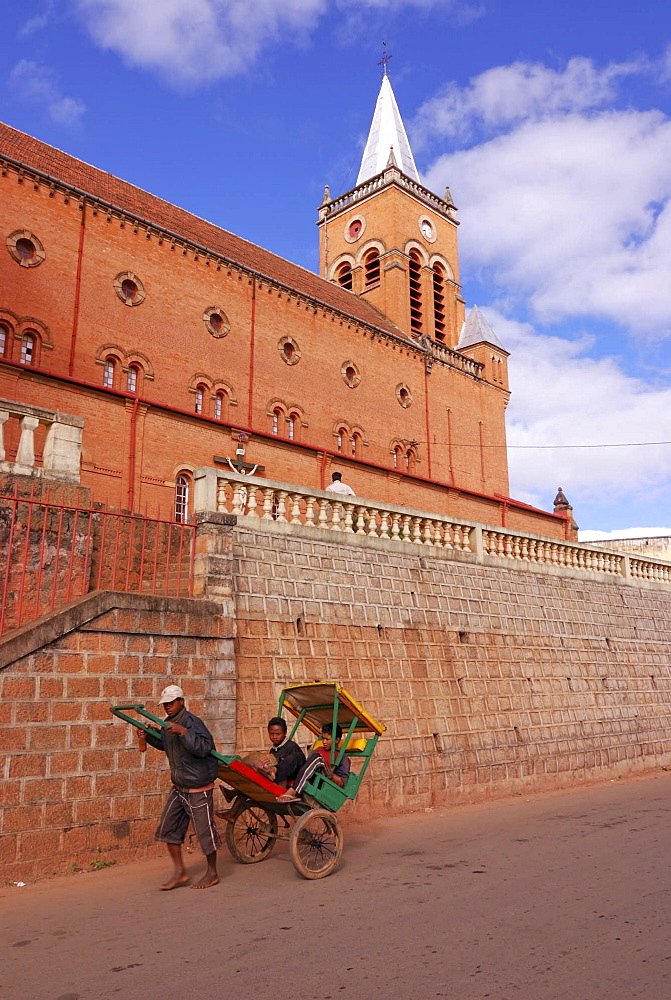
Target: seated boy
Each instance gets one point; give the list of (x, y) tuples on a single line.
[(281, 764), (288, 756), (320, 760)]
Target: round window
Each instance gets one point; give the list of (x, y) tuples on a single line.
[(354, 228), (289, 350), (129, 288), (350, 374), (403, 395), (25, 248), (216, 321)]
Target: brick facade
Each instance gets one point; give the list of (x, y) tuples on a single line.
[(197, 386)]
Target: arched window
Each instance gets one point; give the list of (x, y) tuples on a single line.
[(344, 275), (108, 373), (340, 438), (415, 279), (404, 457), (292, 424), (4, 336), (355, 445), (199, 399), (277, 416), (371, 268), (182, 491), (28, 343), (439, 302), (220, 405), (132, 379)]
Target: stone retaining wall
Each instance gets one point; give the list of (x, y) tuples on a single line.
[(490, 680)]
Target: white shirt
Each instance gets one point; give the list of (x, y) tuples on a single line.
[(337, 486)]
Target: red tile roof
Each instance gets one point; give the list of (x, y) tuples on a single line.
[(75, 173)]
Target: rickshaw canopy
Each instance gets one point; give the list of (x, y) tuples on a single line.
[(320, 701)]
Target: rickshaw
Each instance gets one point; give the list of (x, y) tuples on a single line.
[(310, 824)]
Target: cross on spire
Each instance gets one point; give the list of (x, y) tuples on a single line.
[(384, 60)]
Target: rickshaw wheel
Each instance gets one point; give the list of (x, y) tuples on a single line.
[(316, 843), (253, 835)]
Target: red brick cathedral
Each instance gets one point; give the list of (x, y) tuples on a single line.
[(179, 343)]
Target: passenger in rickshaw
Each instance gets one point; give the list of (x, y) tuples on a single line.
[(281, 764), (320, 760), (288, 756)]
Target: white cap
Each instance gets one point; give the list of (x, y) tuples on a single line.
[(170, 693)]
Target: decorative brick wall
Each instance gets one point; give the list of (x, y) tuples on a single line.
[(73, 782), (490, 680)]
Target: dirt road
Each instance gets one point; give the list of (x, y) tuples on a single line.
[(561, 897)]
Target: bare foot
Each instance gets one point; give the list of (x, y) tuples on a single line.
[(175, 882), (206, 881)]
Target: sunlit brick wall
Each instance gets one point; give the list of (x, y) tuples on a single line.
[(74, 786)]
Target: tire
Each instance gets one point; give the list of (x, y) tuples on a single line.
[(253, 835), (316, 843)]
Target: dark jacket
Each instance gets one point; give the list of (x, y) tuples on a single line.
[(289, 758), (188, 755)]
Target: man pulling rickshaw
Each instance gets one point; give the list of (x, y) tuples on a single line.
[(307, 810)]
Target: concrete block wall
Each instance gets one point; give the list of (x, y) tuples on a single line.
[(489, 680), (73, 785)]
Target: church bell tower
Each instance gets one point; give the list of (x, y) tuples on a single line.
[(392, 241)]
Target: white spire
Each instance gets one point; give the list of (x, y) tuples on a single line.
[(476, 330), (386, 132)]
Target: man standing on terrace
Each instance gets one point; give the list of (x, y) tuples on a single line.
[(187, 742), (337, 486)]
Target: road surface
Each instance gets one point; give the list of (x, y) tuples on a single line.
[(557, 897)]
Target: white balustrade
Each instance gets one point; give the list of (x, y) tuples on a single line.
[(295, 507), (62, 450)]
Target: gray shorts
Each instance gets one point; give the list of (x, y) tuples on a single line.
[(183, 808)]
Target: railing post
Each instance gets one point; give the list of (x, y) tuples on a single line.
[(4, 417), (213, 559), (63, 447), (477, 543), (25, 455), (205, 489), (625, 568)]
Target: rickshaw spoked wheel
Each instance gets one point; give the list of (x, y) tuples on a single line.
[(316, 843), (253, 835)]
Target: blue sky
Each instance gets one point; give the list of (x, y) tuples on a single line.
[(551, 122)]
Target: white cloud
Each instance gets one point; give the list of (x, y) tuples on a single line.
[(602, 536), (570, 209), (560, 396), (38, 22), (38, 85), (193, 41), (506, 95)]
